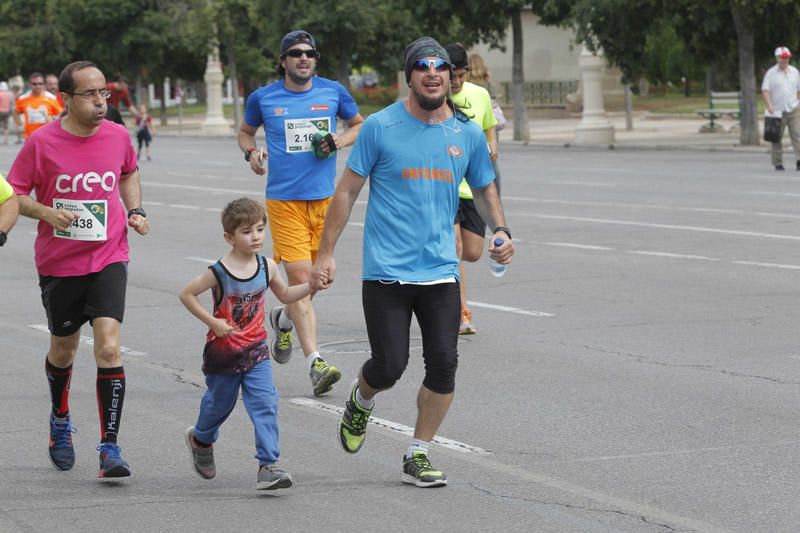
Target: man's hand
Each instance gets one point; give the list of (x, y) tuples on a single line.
[(503, 253), (323, 273), (493, 153), (61, 219), (257, 158), (327, 148), (139, 224)]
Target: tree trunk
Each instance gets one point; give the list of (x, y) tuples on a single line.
[(343, 70), (163, 109), (628, 107), (234, 75), (743, 21), (521, 130)]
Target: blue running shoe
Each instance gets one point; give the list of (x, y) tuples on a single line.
[(62, 454), (112, 464)]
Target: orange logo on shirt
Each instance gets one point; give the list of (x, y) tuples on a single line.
[(455, 151), (434, 174)]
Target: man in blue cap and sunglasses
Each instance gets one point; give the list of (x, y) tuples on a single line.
[(297, 112), (414, 153)]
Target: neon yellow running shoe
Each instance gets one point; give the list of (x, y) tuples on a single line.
[(353, 424), (417, 470), (323, 376)]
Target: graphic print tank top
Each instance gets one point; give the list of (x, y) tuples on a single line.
[(241, 303)]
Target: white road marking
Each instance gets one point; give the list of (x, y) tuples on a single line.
[(652, 206), (509, 309), (210, 176), (571, 245), (773, 193), (666, 226), (86, 340), (583, 183), (359, 224), (393, 426), (769, 265), (670, 255), (184, 206), (202, 260), (676, 256), (258, 192)]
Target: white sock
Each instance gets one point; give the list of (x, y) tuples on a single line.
[(363, 402), (310, 358), (283, 321), (417, 445)]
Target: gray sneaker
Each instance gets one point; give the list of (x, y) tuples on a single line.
[(202, 458), (282, 339), (270, 477), (323, 376)]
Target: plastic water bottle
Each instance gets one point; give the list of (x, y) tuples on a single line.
[(496, 268)]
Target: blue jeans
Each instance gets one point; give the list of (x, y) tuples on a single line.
[(260, 399)]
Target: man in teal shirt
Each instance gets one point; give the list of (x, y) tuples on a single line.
[(414, 153)]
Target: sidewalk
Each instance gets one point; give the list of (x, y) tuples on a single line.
[(652, 132)]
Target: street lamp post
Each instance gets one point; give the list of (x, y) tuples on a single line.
[(214, 123)]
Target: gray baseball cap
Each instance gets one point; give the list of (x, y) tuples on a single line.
[(295, 37)]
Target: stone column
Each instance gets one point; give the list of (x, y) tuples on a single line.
[(215, 123), (594, 127)]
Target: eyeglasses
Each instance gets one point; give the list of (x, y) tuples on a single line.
[(94, 93), (299, 52), (425, 64)]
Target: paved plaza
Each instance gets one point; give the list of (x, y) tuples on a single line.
[(636, 370)]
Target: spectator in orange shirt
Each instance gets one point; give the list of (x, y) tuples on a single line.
[(37, 108)]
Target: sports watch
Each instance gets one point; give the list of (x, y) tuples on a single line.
[(504, 230), (137, 211), (3, 237), (248, 152)]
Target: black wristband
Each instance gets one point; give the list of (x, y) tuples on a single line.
[(137, 211), (248, 152), (504, 230), (3, 237)]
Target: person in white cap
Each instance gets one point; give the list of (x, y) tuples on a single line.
[(780, 88)]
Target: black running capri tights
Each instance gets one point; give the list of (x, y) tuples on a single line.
[(388, 307)]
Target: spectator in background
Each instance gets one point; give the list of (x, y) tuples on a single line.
[(478, 74), (145, 129), (51, 85), (14, 127), (6, 100), (121, 94), (780, 89)]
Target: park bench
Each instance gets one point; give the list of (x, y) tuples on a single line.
[(720, 105)]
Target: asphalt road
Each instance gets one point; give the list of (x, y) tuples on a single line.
[(637, 369)]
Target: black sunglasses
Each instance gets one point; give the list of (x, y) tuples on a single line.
[(300, 52)]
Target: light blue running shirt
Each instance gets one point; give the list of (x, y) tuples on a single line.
[(290, 119), (414, 170)]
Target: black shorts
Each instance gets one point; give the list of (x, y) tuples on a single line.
[(72, 300), (469, 218), (388, 308)]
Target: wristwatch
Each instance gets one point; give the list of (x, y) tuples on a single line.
[(137, 211), (504, 230), (3, 237), (248, 152)]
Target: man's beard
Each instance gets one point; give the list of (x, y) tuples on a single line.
[(298, 79), (429, 104)]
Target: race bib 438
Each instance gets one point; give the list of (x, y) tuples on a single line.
[(91, 222)]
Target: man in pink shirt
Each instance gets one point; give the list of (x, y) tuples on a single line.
[(82, 168)]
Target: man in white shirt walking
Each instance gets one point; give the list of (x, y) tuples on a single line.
[(780, 89)]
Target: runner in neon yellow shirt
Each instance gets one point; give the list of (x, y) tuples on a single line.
[(470, 229), (9, 209)]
